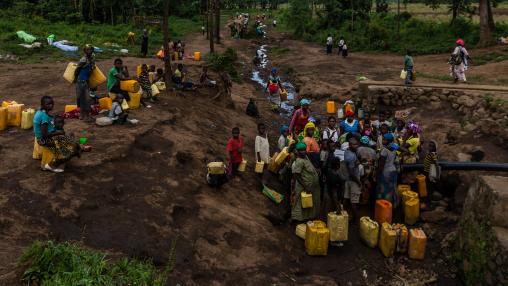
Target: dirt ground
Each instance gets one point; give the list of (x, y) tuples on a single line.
[(143, 185)]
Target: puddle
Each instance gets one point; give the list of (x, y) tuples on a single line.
[(286, 108)]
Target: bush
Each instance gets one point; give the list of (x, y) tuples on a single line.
[(59, 264), (225, 62)]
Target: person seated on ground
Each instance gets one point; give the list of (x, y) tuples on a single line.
[(205, 79), (62, 147), (116, 113), (179, 79), (313, 150), (116, 74), (235, 150), (306, 180), (146, 86), (283, 139), (350, 124)]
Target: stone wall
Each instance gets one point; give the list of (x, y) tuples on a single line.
[(483, 112), (481, 246)]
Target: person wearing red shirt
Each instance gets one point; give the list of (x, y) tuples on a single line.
[(300, 118), (235, 148)]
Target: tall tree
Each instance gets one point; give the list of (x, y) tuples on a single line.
[(165, 32), (217, 20), (486, 23), (210, 25)]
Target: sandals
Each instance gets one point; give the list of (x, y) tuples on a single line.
[(47, 167)]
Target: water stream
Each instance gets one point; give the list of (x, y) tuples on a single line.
[(286, 108)]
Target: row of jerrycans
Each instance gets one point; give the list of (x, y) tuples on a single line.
[(318, 234), (393, 238), (410, 204), (12, 114)]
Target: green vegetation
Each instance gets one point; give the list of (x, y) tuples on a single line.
[(100, 35), (440, 77), (491, 57), (63, 264), (279, 51), (226, 62)]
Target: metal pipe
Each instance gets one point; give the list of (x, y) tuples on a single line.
[(462, 166)]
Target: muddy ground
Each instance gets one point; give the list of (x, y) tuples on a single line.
[(143, 186)]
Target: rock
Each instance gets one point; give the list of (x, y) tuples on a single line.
[(437, 196), (435, 105), (466, 100), (443, 97), (442, 204), (434, 98), (434, 216), (477, 154), (463, 157), (490, 127), (469, 127), (455, 106)]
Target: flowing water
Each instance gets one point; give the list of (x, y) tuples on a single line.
[(286, 108)]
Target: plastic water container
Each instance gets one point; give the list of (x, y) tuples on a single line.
[(69, 108), (97, 78), (330, 107), (129, 85), (408, 195), (340, 113), (383, 211), (155, 90), (317, 236), (281, 157), (306, 200), (161, 85), (411, 211), (125, 105), (300, 230), (387, 239), (283, 94), (417, 244), (402, 237), (14, 114), (135, 99), (105, 103), (338, 225), (260, 166), (197, 56), (216, 168), (242, 166), (369, 231), (422, 186), (69, 72), (138, 70), (27, 118), (403, 188), (3, 118), (271, 166)]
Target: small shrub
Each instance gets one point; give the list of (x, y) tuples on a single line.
[(225, 62)]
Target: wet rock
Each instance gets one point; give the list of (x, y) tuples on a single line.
[(435, 216), (463, 157)]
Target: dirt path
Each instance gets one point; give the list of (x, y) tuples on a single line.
[(144, 186)]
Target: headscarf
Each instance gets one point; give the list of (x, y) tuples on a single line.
[(312, 119), (274, 70), (283, 129), (305, 102), (350, 113), (413, 126), (460, 42), (394, 146), (364, 140), (307, 126), (389, 136), (300, 146)]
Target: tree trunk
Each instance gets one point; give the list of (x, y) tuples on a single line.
[(455, 10), (217, 21), (167, 57), (486, 23), (210, 25)]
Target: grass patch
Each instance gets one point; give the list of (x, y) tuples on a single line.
[(491, 57), (100, 35), (440, 77), (279, 51), (59, 264)]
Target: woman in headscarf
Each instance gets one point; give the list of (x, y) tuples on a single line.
[(409, 149), (300, 118), (306, 179), (283, 139), (350, 124), (387, 172), (313, 149), (273, 85), (459, 62), (62, 147)]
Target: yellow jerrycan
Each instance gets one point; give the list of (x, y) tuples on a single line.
[(417, 244), (369, 231), (3, 118), (411, 211), (69, 72), (338, 225), (242, 166), (387, 239), (317, 236), (96, 78), (306, 200), (27, 118)]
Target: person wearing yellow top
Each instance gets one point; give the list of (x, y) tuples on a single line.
[(409, 149)]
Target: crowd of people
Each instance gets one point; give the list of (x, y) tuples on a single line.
[(352, 161)]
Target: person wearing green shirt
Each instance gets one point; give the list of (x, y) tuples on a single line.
[(115, 75), (409, 67)]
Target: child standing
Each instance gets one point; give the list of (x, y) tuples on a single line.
[(234, 149), (329, 44), (261, 146), (283, 139), (146, 86)]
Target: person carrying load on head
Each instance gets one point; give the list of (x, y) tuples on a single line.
[(82, 74), (300, 118), (116, 74), (273, 86), (459, 62)]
